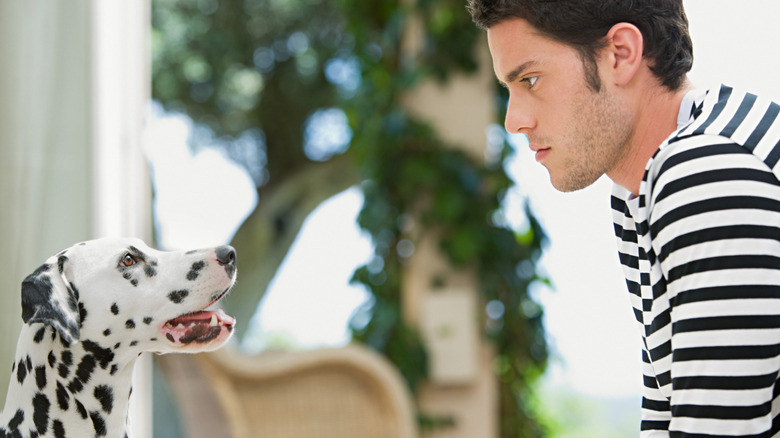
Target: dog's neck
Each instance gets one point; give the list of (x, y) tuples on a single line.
[(82, 389)]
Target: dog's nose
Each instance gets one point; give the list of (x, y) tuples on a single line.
[(226, 255)]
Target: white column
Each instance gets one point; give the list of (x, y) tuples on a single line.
[(121, 192)]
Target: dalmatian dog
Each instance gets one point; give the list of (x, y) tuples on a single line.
[(89, 312)]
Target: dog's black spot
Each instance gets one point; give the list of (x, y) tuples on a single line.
[(107, 332), (195, 270), (134, 282), (75, 386), (67, 357), (115, 309), (72, 300), (75, 291), (82, 315), (81, 409), (59, 429), (99, 423), (71, 328), (40, 376), (178, 296), (29, 364), (148, 320), (41, 412), (153, 340), (170, 337), (39, 335), (61, 264), (63, 399), (114, 369), (21, 372), (103, 355), (63, 370), (130, 324), (52, 359), (134, 343), (149, 271), (116, 346), (105, 395), (85, 368), (17, 420)]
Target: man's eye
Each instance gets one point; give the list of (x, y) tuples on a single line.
[(128, 260), (530, 81)]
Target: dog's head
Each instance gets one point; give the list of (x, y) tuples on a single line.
[(121, 292)]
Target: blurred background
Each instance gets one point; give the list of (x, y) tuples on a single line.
[(387, 228)]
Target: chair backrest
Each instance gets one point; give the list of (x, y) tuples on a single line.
[(327, 393)]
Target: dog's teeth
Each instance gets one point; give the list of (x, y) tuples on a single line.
[(213, 322), (180, 326), (168, 325)]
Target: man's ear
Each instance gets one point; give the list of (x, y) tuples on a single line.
[(624, 51), (48, 297)]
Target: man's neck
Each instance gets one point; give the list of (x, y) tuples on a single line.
[(656, 118)]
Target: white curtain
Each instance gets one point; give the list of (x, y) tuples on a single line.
[(44, 144)]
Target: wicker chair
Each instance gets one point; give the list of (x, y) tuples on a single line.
[(327, 393)]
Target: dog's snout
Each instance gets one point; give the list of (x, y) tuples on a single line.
[(226, 255)]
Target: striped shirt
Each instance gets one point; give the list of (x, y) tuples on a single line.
[(700, 249)]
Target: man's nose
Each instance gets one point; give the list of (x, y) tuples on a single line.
[(519, 116)]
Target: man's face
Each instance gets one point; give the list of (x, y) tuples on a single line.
[(578, 134)]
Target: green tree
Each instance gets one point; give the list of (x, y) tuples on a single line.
[(258, 74)]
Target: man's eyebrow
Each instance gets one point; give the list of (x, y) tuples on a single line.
[(519, 70)]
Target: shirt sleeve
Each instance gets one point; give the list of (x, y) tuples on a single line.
[(715, 228)]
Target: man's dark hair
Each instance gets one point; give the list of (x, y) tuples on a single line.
[(583, 24)]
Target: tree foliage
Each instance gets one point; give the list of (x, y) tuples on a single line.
[(259, 70)]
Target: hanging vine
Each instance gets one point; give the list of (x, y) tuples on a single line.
[(410, 170)]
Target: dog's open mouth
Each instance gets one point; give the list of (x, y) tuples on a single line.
[(199, 327)]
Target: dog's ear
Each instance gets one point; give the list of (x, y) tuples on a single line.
[(47, 297)]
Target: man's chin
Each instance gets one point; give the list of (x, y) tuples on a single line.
[(568, 184)]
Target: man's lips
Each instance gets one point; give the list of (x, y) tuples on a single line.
[(541, 152)]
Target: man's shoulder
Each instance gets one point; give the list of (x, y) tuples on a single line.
[(740, 116), (729, 128)]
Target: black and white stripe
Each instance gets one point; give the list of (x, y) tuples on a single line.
[(700, 248)]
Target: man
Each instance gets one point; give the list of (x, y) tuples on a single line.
[(599, 87)]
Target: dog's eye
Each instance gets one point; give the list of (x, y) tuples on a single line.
[(128, 260)]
